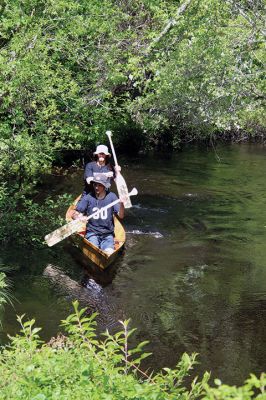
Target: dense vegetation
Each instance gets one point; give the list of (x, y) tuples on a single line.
[(80, 366), (154, 71)]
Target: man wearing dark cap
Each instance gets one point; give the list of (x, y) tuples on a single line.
[(100, 229)]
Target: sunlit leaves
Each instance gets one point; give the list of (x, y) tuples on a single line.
[(81, 366), (205, 74)]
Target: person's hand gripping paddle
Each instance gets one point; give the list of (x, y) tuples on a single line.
[(119, 180)]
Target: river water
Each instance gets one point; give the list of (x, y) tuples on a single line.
[(193, 275)]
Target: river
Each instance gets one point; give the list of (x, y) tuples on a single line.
[(193, 274)]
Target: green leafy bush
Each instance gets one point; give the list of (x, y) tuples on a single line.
[(79, 365), (27, 221), (5, 288)]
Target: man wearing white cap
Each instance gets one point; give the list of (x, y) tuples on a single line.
[(100, 166)]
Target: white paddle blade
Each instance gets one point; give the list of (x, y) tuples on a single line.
[(108, 133), (133, 192), (63, 232), (122, 190)]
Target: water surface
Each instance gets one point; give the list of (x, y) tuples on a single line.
[(193, 275)]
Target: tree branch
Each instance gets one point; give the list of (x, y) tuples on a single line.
[(172, 22)]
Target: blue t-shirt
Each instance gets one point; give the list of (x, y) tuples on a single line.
[(103, 224)]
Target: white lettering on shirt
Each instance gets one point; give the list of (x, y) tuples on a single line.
[(101, 213)]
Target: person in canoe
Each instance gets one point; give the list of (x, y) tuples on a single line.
[(100, 229), (100, 165)]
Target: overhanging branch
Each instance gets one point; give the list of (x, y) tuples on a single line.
[(172, 22)]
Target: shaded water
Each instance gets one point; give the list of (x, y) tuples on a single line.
[(193, 276)]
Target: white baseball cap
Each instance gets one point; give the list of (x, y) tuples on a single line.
[(102, 149)]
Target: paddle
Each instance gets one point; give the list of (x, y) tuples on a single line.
[(119, 180), (77, 224)]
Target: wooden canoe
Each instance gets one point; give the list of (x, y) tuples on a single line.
[(91, 252)]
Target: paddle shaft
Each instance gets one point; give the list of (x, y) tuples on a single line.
[(109, 134), (119, 180)]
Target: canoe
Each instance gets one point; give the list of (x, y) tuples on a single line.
[(92, 253)]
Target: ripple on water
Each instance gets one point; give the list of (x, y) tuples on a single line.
[(150, 209), (157, 235)]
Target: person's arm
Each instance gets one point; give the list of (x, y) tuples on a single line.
[(119, 208), (117, 170), (114, 171), (88, 173), (109, 174), (81, 208), (121, 212)]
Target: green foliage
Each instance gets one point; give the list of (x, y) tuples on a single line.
[(3, 290), (208, 72), (254, 388), (5, 286), (70, 70), (79, 365), (26, 221)]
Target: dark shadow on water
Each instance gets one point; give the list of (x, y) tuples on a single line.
[(92, 271)]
